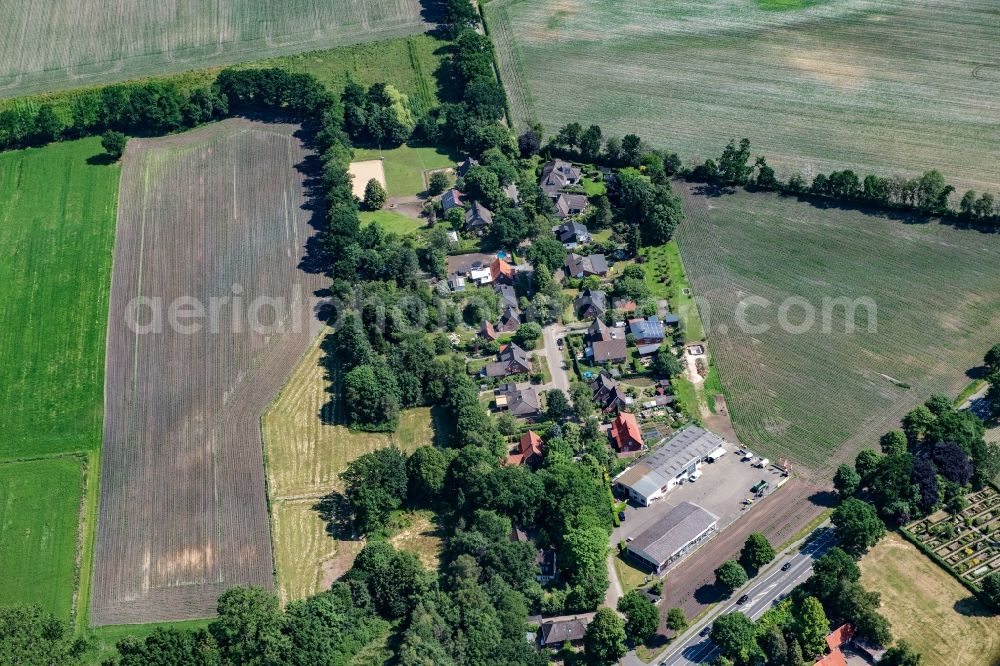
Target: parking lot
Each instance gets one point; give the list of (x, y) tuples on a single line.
[(722, 488)]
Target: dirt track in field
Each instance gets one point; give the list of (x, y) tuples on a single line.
[(212, 214)]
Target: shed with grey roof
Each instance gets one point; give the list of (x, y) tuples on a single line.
[(673, 536)]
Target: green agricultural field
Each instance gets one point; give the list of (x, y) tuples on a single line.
[(57, 227), (817, 396), (406, 166), (63, 45), (889, 85), (39, 517)]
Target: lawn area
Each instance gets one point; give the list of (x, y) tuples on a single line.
[(39, 519), (305, 451), (405, 166), (819, 394), (929, 608), (593, 187), (815, 85), (57, 228), (629, 576), (391, 221), (418, 532)]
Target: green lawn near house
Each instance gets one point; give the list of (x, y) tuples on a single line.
[(392, 221), (664, 261), (405, 166)]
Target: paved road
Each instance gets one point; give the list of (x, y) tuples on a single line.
[(769, 587), (554, 356)]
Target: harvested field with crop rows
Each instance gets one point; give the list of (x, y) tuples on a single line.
[(818, 396), (50, 45), (888, 85), (212, 218)]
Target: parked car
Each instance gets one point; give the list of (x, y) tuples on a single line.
[(559, 342), (786, 566), (762, 463), (747, 457), (695, 476), (742, 600), (621, 516)]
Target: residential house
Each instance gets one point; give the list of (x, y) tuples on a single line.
[(648, 334), (528, 452), (590, 303), (579, 267), (625, 433), (519, 399), (568, 205), (451, 199), (558, 174), (466, 164), (555, 631), (572, 234), (508, 297), (608, 393), (486, 330), (501, 271), (545, 560), (606, 344), (510, 320), (512, 360), (478, 218)]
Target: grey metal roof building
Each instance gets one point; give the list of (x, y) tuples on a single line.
[(673, 536), (655, 474)]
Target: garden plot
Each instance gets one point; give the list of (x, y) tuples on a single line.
[(966, 542), (54, 44), (208, 215)]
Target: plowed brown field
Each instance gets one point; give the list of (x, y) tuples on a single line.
[(210, 214)]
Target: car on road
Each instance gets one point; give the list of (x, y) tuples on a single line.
[(559, 342), (786, 566), (742, 600), (706, 631)]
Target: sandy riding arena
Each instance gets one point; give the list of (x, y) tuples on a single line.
[(363, 172)]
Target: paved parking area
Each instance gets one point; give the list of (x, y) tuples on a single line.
[(721, 489)]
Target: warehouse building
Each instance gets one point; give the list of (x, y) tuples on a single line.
[(674, 535), (656, 474)]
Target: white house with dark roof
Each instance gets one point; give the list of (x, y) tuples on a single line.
[(558, 174)]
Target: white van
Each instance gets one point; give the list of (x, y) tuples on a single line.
[(763, 463), (695, 476), (715, 455)]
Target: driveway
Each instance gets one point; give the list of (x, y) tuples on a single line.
[(554, 357)]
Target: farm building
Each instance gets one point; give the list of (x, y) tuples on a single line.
[(558, 174), (673, 536), (656, 474), (625, 433)]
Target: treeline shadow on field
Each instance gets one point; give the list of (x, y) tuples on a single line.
[(972, 607), (712, 190)]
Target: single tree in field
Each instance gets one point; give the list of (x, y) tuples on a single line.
[(641, 617), (730, 576), (604, 641), (113, 143), (858, 526), (757, 552), (676, 620), (846, 481), (375, 195), (992, 359), (437, 183)]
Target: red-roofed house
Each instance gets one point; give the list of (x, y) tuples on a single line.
[(838, 638), (501, 271), (529, 451), (625, 433)]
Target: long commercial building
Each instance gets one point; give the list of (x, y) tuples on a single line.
[(655, 474), (674, 535)]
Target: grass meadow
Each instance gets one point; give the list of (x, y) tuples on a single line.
[(405, 166), (886, 85), (810, 394), (929, 608), (392, 222), (305, 451), (66, 45), (40, 503), (57, 228)]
